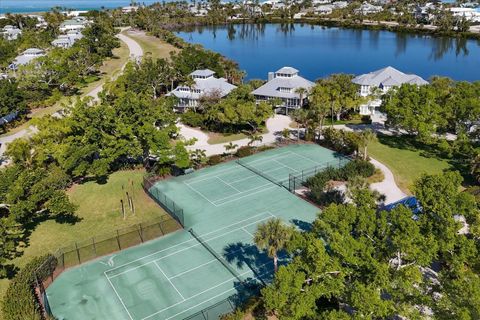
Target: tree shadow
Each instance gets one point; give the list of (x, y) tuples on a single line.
[(246, 255), (302, 225)]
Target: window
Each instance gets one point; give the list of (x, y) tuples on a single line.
[(284, 89)]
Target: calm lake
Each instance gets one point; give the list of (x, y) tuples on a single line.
[(319, 51)]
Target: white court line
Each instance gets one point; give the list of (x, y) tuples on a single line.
[(195, 295), (198, 192), (285, 166), (306, 158), (247, 231), (169, 280), (118, 296), (179, 244), (243, 192), (247, 195), (228, 184), (185, 249), (192, 269)]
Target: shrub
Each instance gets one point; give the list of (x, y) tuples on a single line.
[(215, 159), (340, 140), (244, 151), (192, 119), (20, 301), (355, 168)]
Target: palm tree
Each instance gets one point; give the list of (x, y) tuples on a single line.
[(366, 137), (301, 92), (272, 236), (254, 138), (301, 117), (230, 147)]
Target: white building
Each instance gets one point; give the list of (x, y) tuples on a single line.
[(67, 40), (284, 84), (383, 79), (205, 84), (10, 32), (25, 58), (129, 9), (367, 8), (324, 9), (77, 24), (470, 14)]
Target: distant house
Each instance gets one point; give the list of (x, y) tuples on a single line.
[(470, 14), (129, 9), (205, 84), (368, 8), (67, 40), (10, 32), (383, 79), (77, 24), (324, 9), (26, 57), (283, 85)]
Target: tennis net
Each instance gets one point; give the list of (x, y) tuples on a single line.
[(216, 255), (261, 174)]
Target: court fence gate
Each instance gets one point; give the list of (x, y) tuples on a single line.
[(95, 247)]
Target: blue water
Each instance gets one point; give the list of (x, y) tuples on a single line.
[(318, 51), (24, 6)]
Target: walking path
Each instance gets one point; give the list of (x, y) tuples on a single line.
[(136, 52), (275, 126)]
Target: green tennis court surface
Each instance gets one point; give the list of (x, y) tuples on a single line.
[(177, 275)]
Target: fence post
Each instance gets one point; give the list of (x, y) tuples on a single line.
[(78, 253), (94, 247), (118, 241), (161, 229), (140, 232)]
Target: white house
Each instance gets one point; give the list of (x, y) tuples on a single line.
[(129, 9), (27, 56), (77, 24), (470, 14), (367, 8), (284, 85), (383, 79), (10, 32), (67, 40), (324, 9), (205, 84)]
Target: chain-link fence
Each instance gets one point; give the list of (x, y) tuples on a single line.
[(297, 180), (83, 251), (159, 197)]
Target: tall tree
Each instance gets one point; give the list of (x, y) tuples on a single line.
[(272, 236)]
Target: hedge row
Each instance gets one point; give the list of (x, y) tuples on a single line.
[(20, 301), (356, 168)]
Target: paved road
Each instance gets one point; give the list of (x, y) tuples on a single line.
[(136, 52)]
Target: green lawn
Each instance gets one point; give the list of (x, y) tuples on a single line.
[(99, 211), (217, 138), (406, 163), (152, 45)]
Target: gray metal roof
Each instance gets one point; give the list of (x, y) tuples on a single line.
[(388, 76), (272, 88), (204, 87), (287, 70), (202, 73)]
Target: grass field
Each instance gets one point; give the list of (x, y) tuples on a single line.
[(151, 45), (407, 164), (217, 138), (99, 211)]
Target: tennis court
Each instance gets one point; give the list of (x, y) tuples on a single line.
[(182, 273)]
